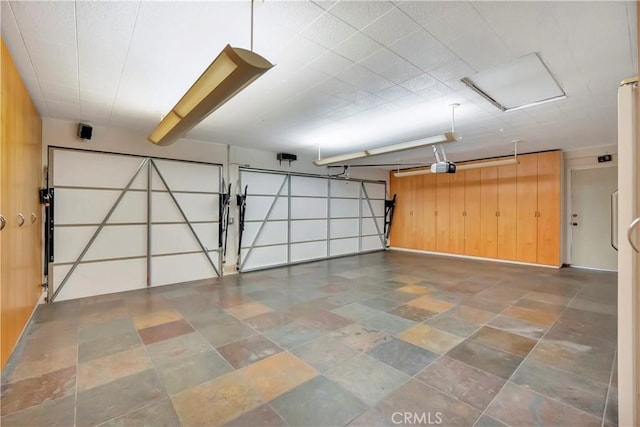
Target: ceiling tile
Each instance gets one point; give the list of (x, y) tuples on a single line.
[(292, 15), (394, 93), (328, 31), (391, 27), (331, 63), (358, 47), (390, 66), (364, 79), (423, 50), (359, 14)]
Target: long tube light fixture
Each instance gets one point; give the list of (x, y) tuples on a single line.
[(232, 70), (493, 163), (407, 145)]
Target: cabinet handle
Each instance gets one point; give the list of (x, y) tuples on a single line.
[(3, 222), (34, 217), (630, 231), (20, 220)]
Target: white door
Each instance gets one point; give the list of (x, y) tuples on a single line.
[(591, 218)]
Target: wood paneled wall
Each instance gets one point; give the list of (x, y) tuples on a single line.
[(20, 180), (508, 212)]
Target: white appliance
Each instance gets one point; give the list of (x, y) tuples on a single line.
[(628, 256)]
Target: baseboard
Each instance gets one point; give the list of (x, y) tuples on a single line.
[(476, 258), (593, 268)]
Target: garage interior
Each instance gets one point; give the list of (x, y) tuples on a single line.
[(381, 213)]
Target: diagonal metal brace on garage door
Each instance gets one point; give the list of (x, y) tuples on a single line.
[(150, 165)]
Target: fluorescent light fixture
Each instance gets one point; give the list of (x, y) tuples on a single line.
[(522, 83), (408, 145), (232, 70), (340, 158), (492, 163)]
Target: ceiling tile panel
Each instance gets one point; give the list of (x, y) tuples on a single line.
[(390, 27), (423, 50), (358, 47), (359, 14), (328, 31)]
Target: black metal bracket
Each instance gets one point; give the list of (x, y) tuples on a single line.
[(241, 201), (223, 225), (389, 209)]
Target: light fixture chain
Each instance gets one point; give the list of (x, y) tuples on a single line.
[(252, 25)]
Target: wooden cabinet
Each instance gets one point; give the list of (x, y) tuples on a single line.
[(489, 212), (442, 212), (456, 213), (507, 196), (509, 212), (428, 212), (548, 231), (473, 212), (20, 179), (527, 203)]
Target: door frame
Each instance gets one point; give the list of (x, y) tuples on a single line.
[(569, 205)]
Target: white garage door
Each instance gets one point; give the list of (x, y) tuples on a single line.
[(295, 218), (126, 222)]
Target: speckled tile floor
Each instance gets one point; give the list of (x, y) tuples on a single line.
[(381, 339)]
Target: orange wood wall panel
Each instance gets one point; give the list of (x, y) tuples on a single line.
[(507, 196), (456, 213), (472, 207), (549, 172), (20, 171), (527, 208), (428, 212), (488, 209), (442, 209)]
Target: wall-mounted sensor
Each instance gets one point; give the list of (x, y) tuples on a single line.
[(84, 131), (605, 158)]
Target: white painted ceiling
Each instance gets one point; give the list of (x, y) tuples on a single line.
[(349, 75)]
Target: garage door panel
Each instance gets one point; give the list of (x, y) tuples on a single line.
[(97, 278), (302, 231), (262, 183), (79, 206), (369, 226), (377, 206), (258, 207), (375, 190), (371, 243), (308, 186), (264, 257), (197, 207), (94, 169), (344, 228), (171, 269), (308, 208), (186, 176), (350, 189), (308, 251), (343, 246), (120, 241), (177, 238), (273, 232), (344, 208)]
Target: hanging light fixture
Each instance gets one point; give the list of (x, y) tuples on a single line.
[(232, 70), (393, 148)]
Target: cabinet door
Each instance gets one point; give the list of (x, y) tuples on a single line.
[(472, 207), (417, 222), (548, 247), (456, 213), (527, 207), (428, 212), (442, 209), (488, 209), (507, 195)]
